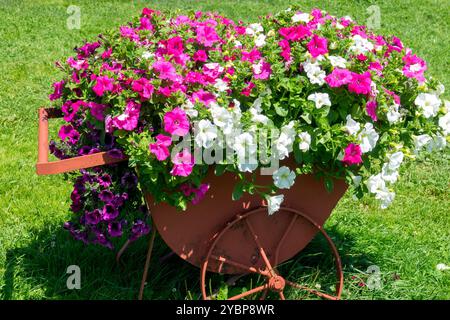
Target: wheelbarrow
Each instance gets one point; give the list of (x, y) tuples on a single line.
[(223, 236)]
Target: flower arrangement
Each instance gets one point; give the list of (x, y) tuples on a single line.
[(179, 94)]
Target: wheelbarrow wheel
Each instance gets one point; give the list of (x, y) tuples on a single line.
[(274, 281)]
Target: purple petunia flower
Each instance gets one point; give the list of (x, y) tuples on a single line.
[(93, 217), (115, 229), (110, 212), (139, 229), (106, 196), (129, 180), (104, 180)]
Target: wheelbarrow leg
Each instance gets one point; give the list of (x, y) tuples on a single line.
[(147, 263)]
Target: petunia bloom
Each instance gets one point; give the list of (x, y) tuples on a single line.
[(176, 122), (317, 46), (352, 154), (102, 84), (161, 147), (183, 163), (338, 77), (58, 88), (360, 83)]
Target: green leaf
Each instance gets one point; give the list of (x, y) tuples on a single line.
[(282, 112), (238, 191), (220, 169), (306, 117), (329, 185)]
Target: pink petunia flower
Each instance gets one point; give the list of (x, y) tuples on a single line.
[(200, 193), (286, 49), (414, 66), (338, 77), (200, 56), (58, 88), (77, 64), (317, 46), (97, 110), (128, 32), (175, 46), (251, 56), (206, 35), (204, 97), (360, 83), (102, 84), (262, 70), (176, 122), (166, 70), (352, 154), (377, 67), (129, 119), (145, 24), (143, 87), (248, 89), (68, 132), (183, 163), (161, 147), (295, 33), (371, 109)]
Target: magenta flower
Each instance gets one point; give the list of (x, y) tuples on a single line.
[(251, 56), (295, 33), (68, 132), (166, 70), (107, 53), (200, 193), (93, 217), (248, 89), (97, 110), (109, 212), (204, 97), (58, 88), (128, 32), (352, 154), (371, 109), (317, 46), (183, 163), (115, 229), (69, 110), (338, 77), (106, 196), (175, 46), (286, 49), (143, 87), (129, 119), (139, 229), (262, 70), (360, 83), (77, 64), (102, 84), (377, 67), (206, 35), (145, 24), (414, 66), (161, 147), (200, 56), (176, 122)]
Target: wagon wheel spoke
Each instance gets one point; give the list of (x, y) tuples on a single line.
[(249, 292), (281, 295), (264, 294), (261, 249), (312, 291), (238, 265), (286, 232)]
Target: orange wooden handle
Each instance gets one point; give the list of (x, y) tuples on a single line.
[(43, 167)]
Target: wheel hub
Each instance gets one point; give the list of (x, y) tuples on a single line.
[(277, 283)]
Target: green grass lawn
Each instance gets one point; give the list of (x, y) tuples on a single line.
[(406, 241)]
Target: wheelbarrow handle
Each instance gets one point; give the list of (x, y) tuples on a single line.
[(44, 167)]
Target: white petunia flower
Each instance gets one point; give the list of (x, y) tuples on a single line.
[(337, 61), (421, 141), (222, 118), (352, 126), (244, 145), (285, 141), (260, 40), (274, 203), (314, 73), (360, 45), (206, 133), (284, 178), (393, 115), (320, 99), (305, 141), (147, 55), (253, 29), (368, 138), (221, 85), (237, 43), (375, 184), (188, 107), (444, 123), (301, 17), (429, 103), (388, 174), (386, 197), (395, 160)]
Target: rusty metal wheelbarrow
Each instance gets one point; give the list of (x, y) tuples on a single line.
[(224, 236)]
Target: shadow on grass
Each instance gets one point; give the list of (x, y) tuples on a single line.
[(38, 270)]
